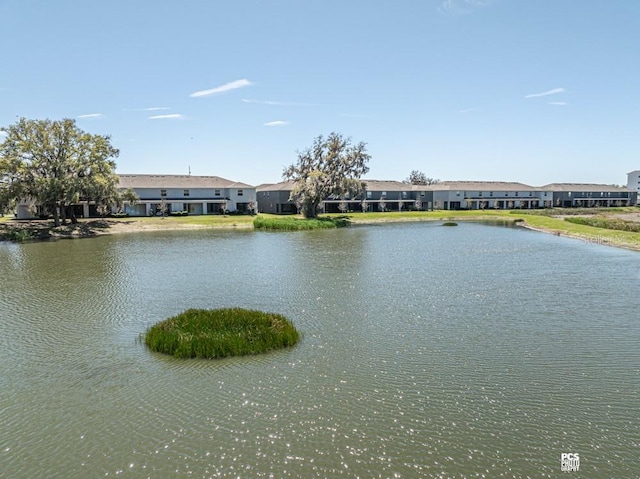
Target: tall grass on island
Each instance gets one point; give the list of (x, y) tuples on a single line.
[(219, 333), (290, 223)]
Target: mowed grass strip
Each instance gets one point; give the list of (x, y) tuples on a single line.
[(219, 333)]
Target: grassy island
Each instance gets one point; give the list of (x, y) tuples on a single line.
[(218, 333), (292, 223)]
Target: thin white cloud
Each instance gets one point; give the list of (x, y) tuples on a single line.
[(468, 110), (276, 123), (234, 85), (558, 103), (170, 116), (3, 133), (153, 108), (275, 103), (461, 7), (553, 91), (91, 115)]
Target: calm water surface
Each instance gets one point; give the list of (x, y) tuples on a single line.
[(475, 351)]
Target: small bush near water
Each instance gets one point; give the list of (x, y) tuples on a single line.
[(449, 223), (218, 333), (608, 223), (298, 224), (17, 235)]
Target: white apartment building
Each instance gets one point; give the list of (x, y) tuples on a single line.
[(633, 181)]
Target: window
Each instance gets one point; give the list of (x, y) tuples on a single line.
[(480, 193), (186, 192), (422, 194), (384, 193), (163, 193), (491, 193), (216, 192), (531, 193), (457, 193), (368, 194), (516, 193), (404, 194), (240, 193)]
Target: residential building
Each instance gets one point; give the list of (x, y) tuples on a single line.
[(274, 198), (589, 195), (633, 181), (196, 195), (455, 195), (379, 195)]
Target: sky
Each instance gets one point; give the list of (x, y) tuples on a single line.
[(534, 91)]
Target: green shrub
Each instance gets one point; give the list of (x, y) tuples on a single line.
[(18, 235), (449, 223), (179, 213), (574, 211), (608, 223), (218, 333)]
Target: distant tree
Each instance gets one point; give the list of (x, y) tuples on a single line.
[(163, 207), (55, 164), (343, 206), (382, 205), (417, 177), (364, 204), (331, 166), (417, 204)]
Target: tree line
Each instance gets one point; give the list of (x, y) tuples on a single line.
[(54, 165)]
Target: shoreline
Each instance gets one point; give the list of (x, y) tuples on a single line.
[(41, 230)]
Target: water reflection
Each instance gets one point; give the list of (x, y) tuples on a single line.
[(427, 352)]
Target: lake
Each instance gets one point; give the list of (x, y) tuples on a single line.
[(427, 351)]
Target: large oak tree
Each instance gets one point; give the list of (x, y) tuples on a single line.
[(331, 167), (55, 164)]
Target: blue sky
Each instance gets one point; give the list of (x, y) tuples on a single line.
[(536, 91)]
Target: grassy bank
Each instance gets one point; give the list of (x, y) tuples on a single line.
[(203, 221), (296, 223), (541, 220), (591, 234), (209, 334), (606, 223)]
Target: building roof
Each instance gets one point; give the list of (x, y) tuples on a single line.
[(583, 187), (177, 181), (478, 186), (372, 185), (282, 186), (386, 185)]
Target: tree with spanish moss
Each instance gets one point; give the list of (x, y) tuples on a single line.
[(55, 164), (332, 166), (417, 177)]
